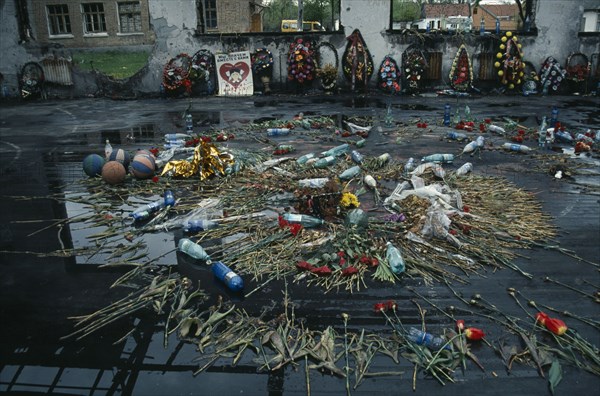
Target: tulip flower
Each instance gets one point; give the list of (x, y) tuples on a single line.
[(474, 334), (556, 326), (379, 307)]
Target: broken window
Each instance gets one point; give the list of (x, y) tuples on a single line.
[(59, 21), (94, 20), (130, 17)]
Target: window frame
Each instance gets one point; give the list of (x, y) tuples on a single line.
[(211, 15), (135, 12), (52, 17), (101, 14)]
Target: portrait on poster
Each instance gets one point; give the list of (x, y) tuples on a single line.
[(235, 74)]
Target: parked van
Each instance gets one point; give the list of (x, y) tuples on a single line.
[(291, 25)]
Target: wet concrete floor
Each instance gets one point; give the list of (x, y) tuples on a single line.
[(43, 143)]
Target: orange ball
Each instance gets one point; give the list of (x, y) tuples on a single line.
[(113, 172)]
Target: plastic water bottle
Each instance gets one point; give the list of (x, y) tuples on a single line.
[(107, 149), (445, 158), (580, 137), (563, 136), (313, 183), (233, 281), (480, 141), (324, 162), (463, 170), (189, 123), (496, 129), (554, 117), (278, 132), (456, 136), (482, 27), (422, 338), (337, 151), (542, 133), (361, 143), (144, 212), (468, 113), (350, 173), (169, 198), (357, 157), (497, 26), (447, 114), (192, 249), (197, 225), (394, 258), (302, 160), (516, 147), (176, 136), (410, 165), (306, 220)]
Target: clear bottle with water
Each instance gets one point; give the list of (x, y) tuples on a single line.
[(464, 169), (233, 281), (468, 113), (302, 160), (176, 136), (324, 162), (313, 183), (394, 259), (410, 165), (189, 123), (563, 136), (192, 249), (516, 147), (426, 339), (278, 131), (349, 173), (107, 149), (337, 151), (542, 133), (496, 129), (444, 158), (305, 220)]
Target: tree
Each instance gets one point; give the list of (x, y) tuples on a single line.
[(277, 11), (406, 11)]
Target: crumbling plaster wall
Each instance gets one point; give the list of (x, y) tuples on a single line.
[(13, 55), (174, 28)]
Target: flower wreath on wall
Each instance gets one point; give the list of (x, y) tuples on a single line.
[(176, 73), (262, 62), (551, 75), (203, 69), (413, 65), (301, 65), (389, 76), (509, 61), (327, 72), (578, 67), (461, 72), (357, 63)]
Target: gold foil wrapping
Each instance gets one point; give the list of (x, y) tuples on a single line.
[(207, 161)]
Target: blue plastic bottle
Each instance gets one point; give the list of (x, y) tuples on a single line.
[(189, 123), (422, 338), (447, 114), (226, 275), (278, 131), (169, 198), (197, 225), (144, 212), (554, 117), (357, 157)]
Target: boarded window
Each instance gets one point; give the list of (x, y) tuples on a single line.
[(130, 17)]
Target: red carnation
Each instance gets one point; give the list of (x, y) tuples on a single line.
[(304, 265), (474, 334), (379, 307), (321, 271), (349, 271)]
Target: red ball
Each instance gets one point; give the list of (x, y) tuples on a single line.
[(113, 172)]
